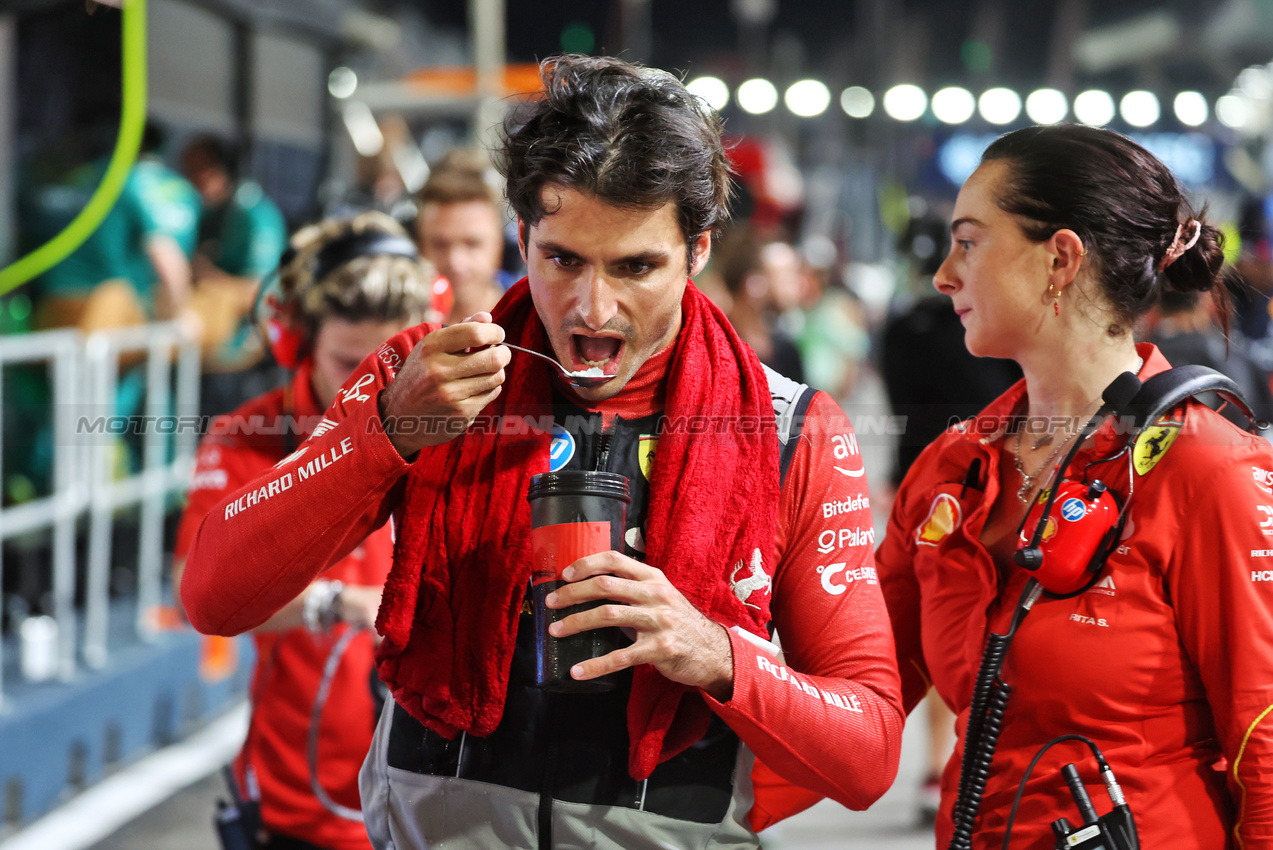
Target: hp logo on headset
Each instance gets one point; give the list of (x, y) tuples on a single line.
[(1073, 509)]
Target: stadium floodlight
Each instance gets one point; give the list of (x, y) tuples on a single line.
[(1139, 108), (1233, 111), (905, 102), (999, 105), (712, 90), (953, 105), (807, 98), (757, 96), (1191, 108), (857, 102), (1094, 108), (1046, 106)]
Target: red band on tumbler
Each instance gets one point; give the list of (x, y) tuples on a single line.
[(555, 547)]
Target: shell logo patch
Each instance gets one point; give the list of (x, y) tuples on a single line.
[(647, 445), (944, 516), (1049, 530), (1152, 445)]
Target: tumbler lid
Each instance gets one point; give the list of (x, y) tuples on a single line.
[(579, 482)]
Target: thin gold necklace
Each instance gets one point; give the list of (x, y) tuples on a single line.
[(1028, 479)]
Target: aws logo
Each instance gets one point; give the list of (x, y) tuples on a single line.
[(846, 446), (944, 516)]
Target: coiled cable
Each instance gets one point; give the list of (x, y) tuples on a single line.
[(985, 723)]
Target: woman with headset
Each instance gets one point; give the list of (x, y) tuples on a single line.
[(342, 289), (1062, 238)]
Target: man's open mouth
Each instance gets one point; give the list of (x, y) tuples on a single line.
[(596, 352)]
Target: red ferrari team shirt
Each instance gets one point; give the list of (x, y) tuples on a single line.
[(1166, 662)]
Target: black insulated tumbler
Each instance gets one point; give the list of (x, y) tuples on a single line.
[(573, 513)]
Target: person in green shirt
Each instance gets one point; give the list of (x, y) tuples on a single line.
[(241, 237), (136, 265), (243, 232)]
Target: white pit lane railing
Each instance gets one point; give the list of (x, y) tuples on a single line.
[(85, 378), (63, 350)]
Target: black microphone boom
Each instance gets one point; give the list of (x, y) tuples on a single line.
[(1120, 392)]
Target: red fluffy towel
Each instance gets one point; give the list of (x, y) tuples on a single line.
[(463, 558)]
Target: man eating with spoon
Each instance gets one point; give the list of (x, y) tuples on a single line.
[(749, 515)]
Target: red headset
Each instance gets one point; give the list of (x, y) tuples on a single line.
[(285, 329), (1065, 552)]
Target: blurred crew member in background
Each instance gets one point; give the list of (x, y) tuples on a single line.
[(241, 236), (460, 228), (1186, 331), (136, 265), (346, 287), (753, 301), (619, 178), (242, 232)]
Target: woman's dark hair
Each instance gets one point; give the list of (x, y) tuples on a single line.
[(629, 135), (1124, 204)]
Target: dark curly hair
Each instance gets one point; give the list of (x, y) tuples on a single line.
[(629, 135), (1122, 202)]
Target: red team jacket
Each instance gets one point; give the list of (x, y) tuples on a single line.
[(250, 556), (238, 448), (1166, 663)]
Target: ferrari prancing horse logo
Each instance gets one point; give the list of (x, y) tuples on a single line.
[(647, 444), (1153, 444)]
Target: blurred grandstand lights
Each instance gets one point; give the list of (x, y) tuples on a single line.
[(905, 102), (712, 90), (857, 102), (1094, 108), (807, 98), (1233, 111), (342, 82), (1191, 108), (999, 105), (757, 96), (1139, 108), (1046, 106), (953, 105)]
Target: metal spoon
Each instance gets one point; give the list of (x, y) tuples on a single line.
[(576, 379)]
